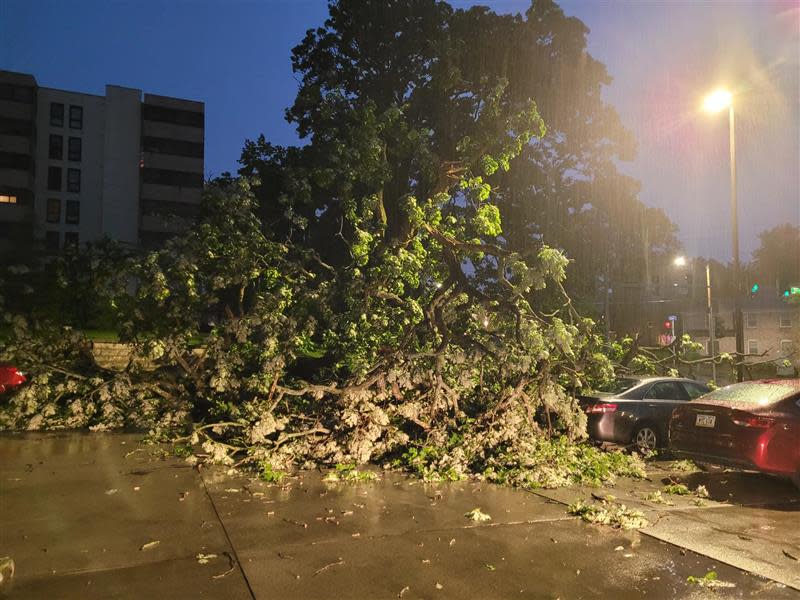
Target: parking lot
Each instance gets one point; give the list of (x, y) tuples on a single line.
[(100, 516)]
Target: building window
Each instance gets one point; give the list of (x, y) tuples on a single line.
[(56, 147), (71, 240), (73, 212), (786, 320), (52, 241), (74, 149), (73, 180), (752, 320), (54, 178), (76, 117), (53, 210), (6, 199), (787, 347), (752, 346), (56, 114)]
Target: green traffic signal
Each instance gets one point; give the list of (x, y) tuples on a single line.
[(754, 289)]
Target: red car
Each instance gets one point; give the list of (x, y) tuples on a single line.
[(753, 425), (10, 377)]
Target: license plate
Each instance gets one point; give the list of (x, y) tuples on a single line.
[(705, 420)]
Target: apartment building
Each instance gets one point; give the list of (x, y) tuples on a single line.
[(76, 167), (771, 328)]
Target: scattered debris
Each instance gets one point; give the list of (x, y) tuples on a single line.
[(615, 515), (204, 559), (792, 556), (403, 591), (677, 489), (477, 515), (111, 491), (658, 498), (490, 567), (619, 548), (232, 490), (453, 542), (684, 465), (439, 586), (355, 535), (710, 580), (150, 545)]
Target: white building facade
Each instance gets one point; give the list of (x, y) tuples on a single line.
[(76, 168)]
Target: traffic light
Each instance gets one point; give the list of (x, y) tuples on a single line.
[(667, 324), (754, 289)]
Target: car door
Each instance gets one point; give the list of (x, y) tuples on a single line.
[(660, 399)]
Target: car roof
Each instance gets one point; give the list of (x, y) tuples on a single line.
[(652, 378), (790, 382)]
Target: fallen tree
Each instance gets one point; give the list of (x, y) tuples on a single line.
[(363, 304)]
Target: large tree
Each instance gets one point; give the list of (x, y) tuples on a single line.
[(404, 97)]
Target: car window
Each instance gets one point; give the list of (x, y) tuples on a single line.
[(618, 386), (694, 390), (665, 390)]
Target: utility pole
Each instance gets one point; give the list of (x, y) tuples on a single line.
[(737, 270), (711, 325)]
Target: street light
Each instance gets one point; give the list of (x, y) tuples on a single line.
[(715, 102)]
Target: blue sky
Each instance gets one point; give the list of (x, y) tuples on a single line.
[(234, 55)]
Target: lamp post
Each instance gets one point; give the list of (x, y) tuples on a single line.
[(714, 103)]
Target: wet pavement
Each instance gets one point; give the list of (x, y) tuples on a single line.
[(100, 516)]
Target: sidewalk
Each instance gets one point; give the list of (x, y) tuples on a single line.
[(99, 516)]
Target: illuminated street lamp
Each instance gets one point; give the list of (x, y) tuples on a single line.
[(715, 102)]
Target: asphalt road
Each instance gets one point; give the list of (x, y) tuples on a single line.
[(99, 516)]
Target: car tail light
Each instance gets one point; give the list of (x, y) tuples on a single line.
[(601, 407), (753, 421)]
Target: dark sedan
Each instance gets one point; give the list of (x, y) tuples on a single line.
[(636, 410), (753, 425)]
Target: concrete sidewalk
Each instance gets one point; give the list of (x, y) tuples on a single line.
[(100, 516)]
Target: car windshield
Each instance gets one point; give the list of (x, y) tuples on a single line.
[(752, 393), (618, 386)]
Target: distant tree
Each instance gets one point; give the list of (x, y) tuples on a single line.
[(777, 260)]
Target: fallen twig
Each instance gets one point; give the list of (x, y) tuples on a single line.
[(328, 566)]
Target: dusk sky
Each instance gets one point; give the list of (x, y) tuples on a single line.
[(663, 56)]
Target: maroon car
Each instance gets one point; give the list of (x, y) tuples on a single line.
[(753, 425), (10, 377)]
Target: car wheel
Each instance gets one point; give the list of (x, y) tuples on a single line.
[(796, 479), (646, 438)]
